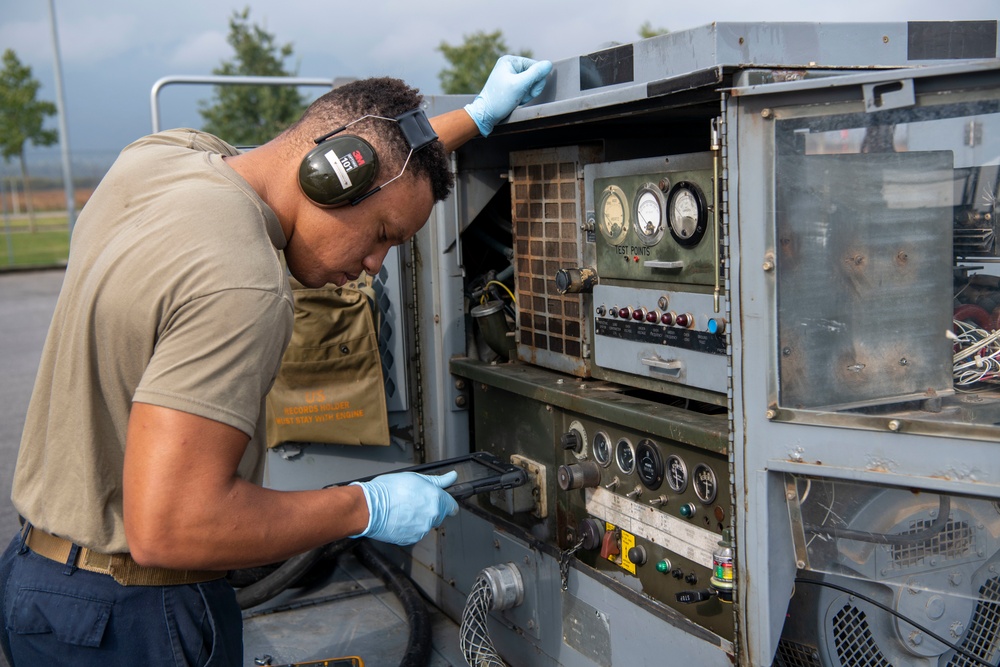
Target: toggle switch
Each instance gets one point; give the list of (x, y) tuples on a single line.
[(611, 545)]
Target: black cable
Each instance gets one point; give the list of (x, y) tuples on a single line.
[(418, 644), (288, 574), (886, 608), (944, 510)]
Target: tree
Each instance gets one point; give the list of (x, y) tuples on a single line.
[(472, 61), (21, 118), (647, 30), (252, 115)]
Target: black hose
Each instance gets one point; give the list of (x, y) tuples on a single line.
[(418, 645), (293, 570), (286, 576)]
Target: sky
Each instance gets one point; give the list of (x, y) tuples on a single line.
[(113, 51)]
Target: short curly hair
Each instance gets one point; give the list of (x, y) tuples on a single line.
[(379, 96)]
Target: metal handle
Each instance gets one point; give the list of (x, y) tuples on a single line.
[(659, 264), (669, 366)]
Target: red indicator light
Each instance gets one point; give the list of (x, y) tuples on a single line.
[(638, 315), (652, 317), (685, 320), (667, 318), (636, 259), (624, 313)]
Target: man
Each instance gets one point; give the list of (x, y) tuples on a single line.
[(144, 437)]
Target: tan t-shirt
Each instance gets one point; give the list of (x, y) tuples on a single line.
[(174, 295)]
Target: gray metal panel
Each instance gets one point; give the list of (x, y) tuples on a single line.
[(763, 447), (846, 80), (692, 367), (440, 317), (537, 636), (737, 45), (765, 600)]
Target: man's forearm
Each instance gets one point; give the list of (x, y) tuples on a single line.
[(454, 128)]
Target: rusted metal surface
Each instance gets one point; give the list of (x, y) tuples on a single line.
[(546, 210)]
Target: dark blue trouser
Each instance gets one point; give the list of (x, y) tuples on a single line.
[(56, 614)]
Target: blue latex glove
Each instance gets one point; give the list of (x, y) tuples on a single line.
[(404, 506), (513, 81)]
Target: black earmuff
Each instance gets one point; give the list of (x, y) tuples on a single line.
[(338, 170)]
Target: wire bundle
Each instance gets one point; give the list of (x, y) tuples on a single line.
[(474, 638), (977, 354)]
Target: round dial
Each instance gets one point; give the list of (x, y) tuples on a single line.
[(625, 456), (648, 220), (602, 448), (705, 485), (649, 464), (687, 215), (677, 473), (613, 211)]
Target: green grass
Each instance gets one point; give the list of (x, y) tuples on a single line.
[(43, 221), (49, 246)]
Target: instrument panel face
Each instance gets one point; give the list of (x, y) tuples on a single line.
[(664, 335), (655, 226), (662, 506)]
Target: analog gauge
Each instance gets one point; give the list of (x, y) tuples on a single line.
[(602, 448), (705, 485), (687, 214), (648, 220), (677, 473), (649, 464), (613, 210), (625, 456)]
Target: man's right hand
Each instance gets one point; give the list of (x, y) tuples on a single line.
[(404, 506)]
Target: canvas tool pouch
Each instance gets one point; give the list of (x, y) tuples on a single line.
[(330, 387)]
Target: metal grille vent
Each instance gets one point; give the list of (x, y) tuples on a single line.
[(791, 654), (984, 630), (546, 210), (956, 540), (855, 645)]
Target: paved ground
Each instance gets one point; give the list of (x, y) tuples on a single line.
[(27, 299)]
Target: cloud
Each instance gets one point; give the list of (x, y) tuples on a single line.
[(29, 40), (203, 52), (90, 40)]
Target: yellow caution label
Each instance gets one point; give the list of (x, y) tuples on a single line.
[(628, 541)]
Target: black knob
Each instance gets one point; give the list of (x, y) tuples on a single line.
[(637, 555), (576, 280), (583, 475), (692, 597), (591, 531), (677, 573), (692, 578), (571, 440)]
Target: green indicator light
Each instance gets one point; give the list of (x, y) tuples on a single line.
[(663, 566)]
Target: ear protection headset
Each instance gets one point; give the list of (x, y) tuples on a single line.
[(340, 169)]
